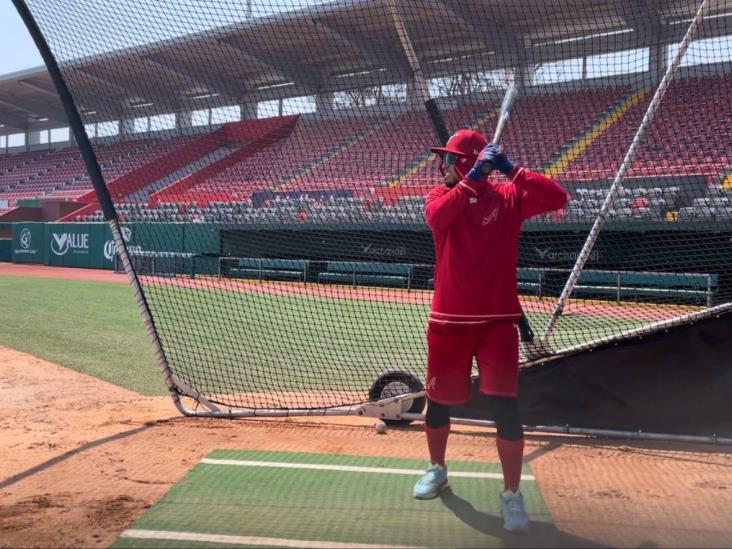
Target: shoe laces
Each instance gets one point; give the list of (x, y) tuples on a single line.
[(514, 506), (433, 471), (515, 503)]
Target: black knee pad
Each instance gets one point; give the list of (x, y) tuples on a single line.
[(506, 415), (438, 415)]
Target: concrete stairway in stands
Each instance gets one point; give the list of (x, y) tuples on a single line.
[(142, 195)]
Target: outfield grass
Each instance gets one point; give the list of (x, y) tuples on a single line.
[(90, 327), (227, 341)]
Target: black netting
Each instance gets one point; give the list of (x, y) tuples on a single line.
[(271, 159)]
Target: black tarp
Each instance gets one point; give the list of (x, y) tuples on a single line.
[(677, 381)]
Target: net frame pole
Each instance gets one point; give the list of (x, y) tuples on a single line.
[(602, 433), (105, 200), (627, 161), (409, 52), (420, 83)]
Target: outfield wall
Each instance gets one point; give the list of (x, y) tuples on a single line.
[(632, 246), (652, 246), (90, 245), (6, 249)]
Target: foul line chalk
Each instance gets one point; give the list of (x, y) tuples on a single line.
[(351, 468), (250, 540)]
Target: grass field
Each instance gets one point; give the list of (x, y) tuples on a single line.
[(227, 341), (90, 327)]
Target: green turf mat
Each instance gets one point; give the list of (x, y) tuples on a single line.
[(326, 506)]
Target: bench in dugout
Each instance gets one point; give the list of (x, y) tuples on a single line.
[(529, 280), (162, 264), (270, 269), (363, 274), (679, 286)]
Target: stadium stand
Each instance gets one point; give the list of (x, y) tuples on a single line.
[(307, 144), (688, 104), (62, 174), (578, 137), (133, 157), (554, 119), (401, 142)]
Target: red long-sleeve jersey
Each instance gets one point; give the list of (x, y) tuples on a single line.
[(476, 228)]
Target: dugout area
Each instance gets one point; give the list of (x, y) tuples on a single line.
[(290, 499)]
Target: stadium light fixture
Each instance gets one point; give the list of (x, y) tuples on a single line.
[(585, 37), (707, 17), (204, 96), (351, 74), (274, 86), (456, 58), (43, 119), (140, 105)]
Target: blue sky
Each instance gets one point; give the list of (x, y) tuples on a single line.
[(17, 50), (171, 18), (163, 19)]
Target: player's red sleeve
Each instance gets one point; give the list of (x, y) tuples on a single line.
[(538, 194), (443, 206)]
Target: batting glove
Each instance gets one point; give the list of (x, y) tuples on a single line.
[(490, 158)]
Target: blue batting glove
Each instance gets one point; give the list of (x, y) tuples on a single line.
[(490, 158)]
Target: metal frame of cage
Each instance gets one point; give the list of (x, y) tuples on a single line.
[(391, 408)]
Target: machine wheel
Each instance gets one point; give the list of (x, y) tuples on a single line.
[(392, 384)]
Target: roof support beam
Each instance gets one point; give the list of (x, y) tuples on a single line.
[(33, 108), (283, 66), (421, 88), (493, 33), (460, 21), (372, 51), (104, 97), (641, 17), (181, 73), (365, 48), (13, 121), (129, 92), (36, 87)]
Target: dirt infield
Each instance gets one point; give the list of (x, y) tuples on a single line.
[(83, 459), (64, 273)]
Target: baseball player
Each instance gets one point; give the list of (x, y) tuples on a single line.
[(475, 226)]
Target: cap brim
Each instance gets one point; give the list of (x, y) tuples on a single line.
[(445, 150)]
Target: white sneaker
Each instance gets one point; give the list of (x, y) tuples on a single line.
[(515, 518), (432, 483)]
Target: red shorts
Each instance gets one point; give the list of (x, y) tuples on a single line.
[(450, 352)]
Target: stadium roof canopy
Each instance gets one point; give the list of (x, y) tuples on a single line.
[(339, 45)]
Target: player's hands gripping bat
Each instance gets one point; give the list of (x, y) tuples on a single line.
[(492, 152), (490, 158)]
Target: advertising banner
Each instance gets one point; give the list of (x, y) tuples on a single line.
[(29, 244)]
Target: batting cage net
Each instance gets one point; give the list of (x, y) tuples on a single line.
[(269, 162)]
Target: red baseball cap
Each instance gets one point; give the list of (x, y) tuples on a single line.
[(466, 145), (463, 143)]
